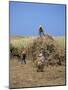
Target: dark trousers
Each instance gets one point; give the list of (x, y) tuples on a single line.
[(23, 60), (41, 34)]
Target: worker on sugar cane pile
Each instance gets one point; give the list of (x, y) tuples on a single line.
[(41, 31), (23, 57), (41, 61)]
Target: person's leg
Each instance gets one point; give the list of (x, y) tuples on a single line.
[(38, 69), (43, 33), (21, 60), (24, 61), (41, 69), (40, 33)]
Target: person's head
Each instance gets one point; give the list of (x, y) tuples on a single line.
[(23, 51), (40, 25), (41, 49)]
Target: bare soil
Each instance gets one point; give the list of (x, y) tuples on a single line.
[(25, 75)]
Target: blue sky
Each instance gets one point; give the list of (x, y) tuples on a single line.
[(25, 18)]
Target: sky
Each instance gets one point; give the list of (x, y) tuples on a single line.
[(25, 18)]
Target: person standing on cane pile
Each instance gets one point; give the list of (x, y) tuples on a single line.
[(41, 31)]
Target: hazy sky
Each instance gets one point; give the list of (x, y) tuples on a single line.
[(25, 18)]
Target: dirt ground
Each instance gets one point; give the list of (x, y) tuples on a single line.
[(25, 75)]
